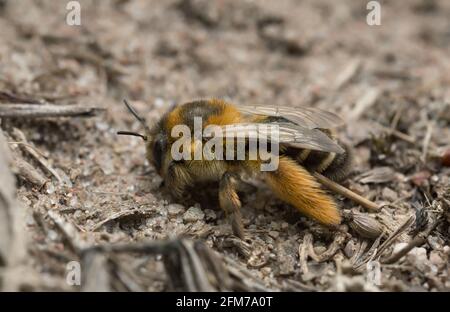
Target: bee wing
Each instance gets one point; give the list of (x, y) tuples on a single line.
[(308, 117), (282, 133)]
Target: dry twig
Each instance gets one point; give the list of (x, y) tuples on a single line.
[(27, 147), (12, 229), (338, 240), (29, 173), (47, 110), (69, 231), (419, 240), (398, 134), (348, 73), (426, 142), (121, 214), (364, 103), (346, 192)]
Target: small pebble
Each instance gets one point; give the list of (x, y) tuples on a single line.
[(52, 235), (210, 215), (266, 271), (193, 214), (398, 247), (447, 250), (418, 258), (159, 102), (175, 209), (274, 234), (319, 249), (350, 249), (389, 194), (437, 259)]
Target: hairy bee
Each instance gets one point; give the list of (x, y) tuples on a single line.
[(306, 145)]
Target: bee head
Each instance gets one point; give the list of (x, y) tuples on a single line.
[(155, 139), (156, 150), (156, 142)]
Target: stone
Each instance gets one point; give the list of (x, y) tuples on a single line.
[(193, 214), (175, 210), (350, 249), (210, 215), (418, 258), (389, 195), (274, 234), (436, 258)]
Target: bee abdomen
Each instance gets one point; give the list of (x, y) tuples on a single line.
[(334, 166)]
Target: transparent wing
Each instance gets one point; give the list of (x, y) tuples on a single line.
[(307, 117), (283, 133)]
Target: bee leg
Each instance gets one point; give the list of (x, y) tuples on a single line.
[(177, 179), (245, 187), (230, 203)]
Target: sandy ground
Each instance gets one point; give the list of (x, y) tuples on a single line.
[(389, 82)]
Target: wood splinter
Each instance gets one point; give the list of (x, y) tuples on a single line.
[(369, 205)]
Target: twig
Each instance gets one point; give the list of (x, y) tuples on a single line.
[(214, 264), (339, 239), (95, 272), (303, 252), (388, 242), (27, 147), (118, 215), (426, 142), (13, 239), (347, 74), (364, 103), (393, 74), (6, 96), (195, 265), (363, 258), (47, 110), (248, 282), (68, 230), (399, 231), (358, 255), (370, 205), (377, 175), (397, 116), (293, 285), (184, 261), (418, 240), (125, 275), (242, 247), (398, 134), (28, 172), (153, 247)]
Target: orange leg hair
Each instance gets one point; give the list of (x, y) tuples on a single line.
[(293, 184)]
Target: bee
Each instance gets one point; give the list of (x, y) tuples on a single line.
[(307, 144)]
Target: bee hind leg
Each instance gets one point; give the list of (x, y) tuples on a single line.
[(230, 203)]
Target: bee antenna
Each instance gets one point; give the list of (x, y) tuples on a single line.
[(144, 137), (136, 115)]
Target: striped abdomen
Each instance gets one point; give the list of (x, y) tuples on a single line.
[(334, 166)]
